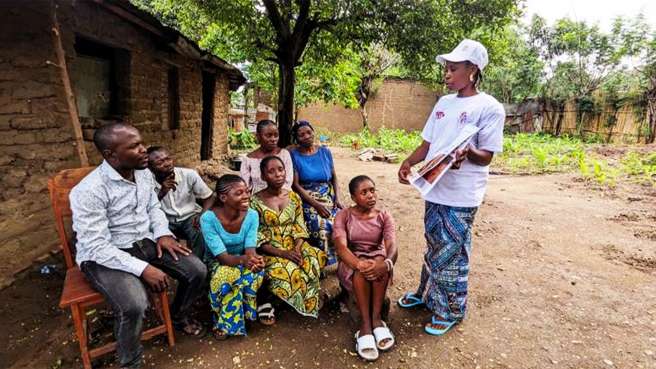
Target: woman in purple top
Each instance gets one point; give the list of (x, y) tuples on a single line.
[(365, 243)]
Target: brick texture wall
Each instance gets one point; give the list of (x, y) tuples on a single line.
[(396, 104), (35, 133)]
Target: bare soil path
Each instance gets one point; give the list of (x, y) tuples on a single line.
[(563, 276)]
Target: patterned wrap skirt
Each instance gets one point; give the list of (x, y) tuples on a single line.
[(297, 285), (445, 272), (233, 292), (319, 228)]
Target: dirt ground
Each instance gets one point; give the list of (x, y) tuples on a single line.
[(563, 276)]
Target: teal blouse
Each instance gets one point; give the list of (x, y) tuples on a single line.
[(218, 240)]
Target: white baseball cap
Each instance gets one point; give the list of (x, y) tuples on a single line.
[(467, 50)]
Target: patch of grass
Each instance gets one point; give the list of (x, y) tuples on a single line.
[(538, 153), (390, 140), (640, 168), (599, 171)]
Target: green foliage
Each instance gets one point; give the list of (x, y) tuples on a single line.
[(587, 65), (242, 31), (531, 154), (437, 26), (642, 168), (538, 153), (516, 73), (593, 138), (584, 61), (333, 82), (599, 171), (579, 56), (391, 140), (329, 44), (241, 140)]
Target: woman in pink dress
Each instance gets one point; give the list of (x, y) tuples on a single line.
[(365, 243)]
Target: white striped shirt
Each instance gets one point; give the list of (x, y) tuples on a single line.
[(110, 213)]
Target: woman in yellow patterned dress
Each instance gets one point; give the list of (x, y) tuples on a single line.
[(293, 267)]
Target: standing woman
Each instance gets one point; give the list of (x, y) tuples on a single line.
[(230, 232), (315, 181), (267, 136), (452, 204)]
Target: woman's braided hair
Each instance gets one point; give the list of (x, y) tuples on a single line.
[(478, 77), (225, 184), (264, 123)]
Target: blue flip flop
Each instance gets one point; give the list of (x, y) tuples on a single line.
[(439, 332), (434, 320), (413, 298)]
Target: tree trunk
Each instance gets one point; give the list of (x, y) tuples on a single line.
[(286, 85), (365, 117), (609, 138), (651, 116), (244, 126), (559, 122)]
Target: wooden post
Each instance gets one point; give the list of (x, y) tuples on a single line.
[(68, 90)]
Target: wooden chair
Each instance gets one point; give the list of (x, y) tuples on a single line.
[(77, 293)]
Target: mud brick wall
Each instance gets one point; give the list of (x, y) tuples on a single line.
[(396, 104), (221, 112), (35, 133)]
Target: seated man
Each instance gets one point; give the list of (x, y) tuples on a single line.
[(124, 242), (177, 189)]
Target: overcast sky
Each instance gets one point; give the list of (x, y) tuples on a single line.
[(599, 11)]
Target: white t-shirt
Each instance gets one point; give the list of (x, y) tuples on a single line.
[(464, 187), (180, 204)]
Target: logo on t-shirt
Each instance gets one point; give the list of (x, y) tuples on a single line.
[(439, 115), (463, 118)]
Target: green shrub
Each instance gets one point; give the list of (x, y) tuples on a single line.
[(391, 140), (242, 140), (539, 153)]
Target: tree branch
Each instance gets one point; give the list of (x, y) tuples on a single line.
[(303, 16), (282, 29), (302, 30), (260, 44)]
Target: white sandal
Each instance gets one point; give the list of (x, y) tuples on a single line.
[(365, 346), (383, 333), (266, 312)]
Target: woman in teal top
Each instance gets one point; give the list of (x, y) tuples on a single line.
[(230, 232)]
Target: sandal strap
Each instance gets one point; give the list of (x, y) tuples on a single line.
[(382, 333), (266, 306), (268, 314), (366, 342), (410, 299), (437, 321)]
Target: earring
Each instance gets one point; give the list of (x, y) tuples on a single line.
[(471, 77)]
